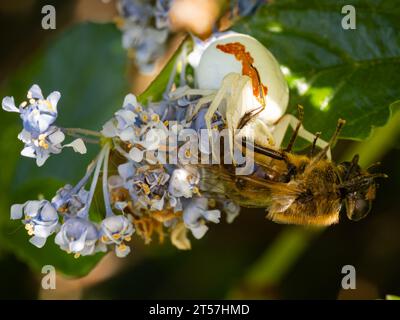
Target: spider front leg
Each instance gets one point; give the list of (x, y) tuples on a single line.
[(287, 120), (187, 91), (202, 101), (234, 92)]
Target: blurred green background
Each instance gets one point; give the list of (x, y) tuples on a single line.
[(250, 258)]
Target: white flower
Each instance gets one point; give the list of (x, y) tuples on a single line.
[(78, 236), (40, 219), (182, 183), (231, 209), (116, 230), (196, 213)]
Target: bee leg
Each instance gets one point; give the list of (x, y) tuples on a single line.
[(296, 129), (289, 120), (332, 142)]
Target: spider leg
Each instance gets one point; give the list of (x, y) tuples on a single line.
[(290, 120), (216, 102), (202, 101), (187, 91)]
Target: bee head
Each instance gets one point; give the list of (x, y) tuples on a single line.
[(358, 188)]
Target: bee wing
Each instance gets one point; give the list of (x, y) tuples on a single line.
[(218, 182)]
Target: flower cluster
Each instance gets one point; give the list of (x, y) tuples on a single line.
[(67, 215), (40, 135), (145, 27), (159, 195)]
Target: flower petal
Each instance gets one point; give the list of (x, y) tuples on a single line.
[(53, 99), (35, 92), (130, 99), (16, 211), (109, 129), (38, 241), (127, 134), (56, 137), (136, 155), (28, 152), (78, 245), (8, 104), (126, 170), (78, 145), (179, 237), (32, 208), (122, 253), (41, 159), (199, 231), (212, 215), (48, 212)]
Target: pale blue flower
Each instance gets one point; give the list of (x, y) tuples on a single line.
[(162, 13), (70, 201), (145, 29), (138, 11), (40, 219), (43, 146), (117, 230), (149, 48), (79, 236), (47, 143), (196, 214), (38, 114), (147, 188), (124, 120), (40, 136)]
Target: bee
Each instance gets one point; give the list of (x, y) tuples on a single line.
[(297, 189)]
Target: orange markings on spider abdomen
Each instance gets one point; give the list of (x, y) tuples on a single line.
[(244, 57)]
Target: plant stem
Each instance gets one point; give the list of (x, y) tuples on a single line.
[(87, 140), (86, 132), (95, 178), (106, 193)]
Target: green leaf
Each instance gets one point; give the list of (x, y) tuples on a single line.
[(88, 66), (335, 73), (157, 87)]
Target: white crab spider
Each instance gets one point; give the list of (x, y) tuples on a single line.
[(221, 79)]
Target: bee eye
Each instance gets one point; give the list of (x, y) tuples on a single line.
[(358, 209)]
